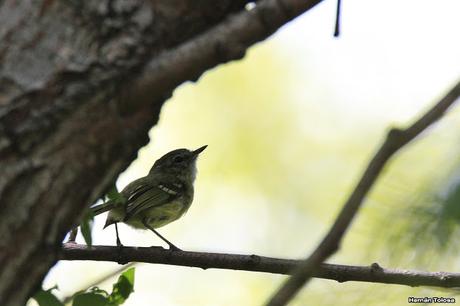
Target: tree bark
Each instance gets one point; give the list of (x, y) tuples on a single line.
[(81, 84)]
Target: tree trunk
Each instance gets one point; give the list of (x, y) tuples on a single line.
[(81, 84), (65, 133)]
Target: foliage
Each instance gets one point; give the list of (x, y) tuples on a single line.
[(94, 296), (47, 298), (86, 227), (115, 196)]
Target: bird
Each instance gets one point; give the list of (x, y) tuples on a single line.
[(159, 198)]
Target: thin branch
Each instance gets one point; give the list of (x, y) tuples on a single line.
[(338, 14), (341, 273), (395, 140)]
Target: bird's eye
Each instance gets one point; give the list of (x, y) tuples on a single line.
[(178, 159)]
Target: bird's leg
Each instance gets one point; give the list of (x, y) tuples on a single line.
[(73, 235), (118, 237), (120, 247), (172, 247)]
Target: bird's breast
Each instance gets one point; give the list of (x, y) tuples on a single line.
[(161, 215)]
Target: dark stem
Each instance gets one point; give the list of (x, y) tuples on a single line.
[(337, 19)]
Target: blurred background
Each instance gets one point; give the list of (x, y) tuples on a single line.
[(290, 129)]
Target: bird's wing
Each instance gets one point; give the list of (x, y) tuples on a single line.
[(145, 195), (101, 208)]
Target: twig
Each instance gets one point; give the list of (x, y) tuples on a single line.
[(337, 19), (341, 273), (395, 140)]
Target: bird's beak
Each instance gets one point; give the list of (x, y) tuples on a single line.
[(199, 150)]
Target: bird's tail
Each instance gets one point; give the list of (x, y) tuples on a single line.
[(102, 208)]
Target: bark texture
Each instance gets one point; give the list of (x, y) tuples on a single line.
[(64, 132)]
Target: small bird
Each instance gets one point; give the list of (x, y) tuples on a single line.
[(157, 199)]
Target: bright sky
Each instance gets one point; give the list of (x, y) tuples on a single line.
[(393, 59)]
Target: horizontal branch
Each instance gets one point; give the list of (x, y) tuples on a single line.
[(341, 273)]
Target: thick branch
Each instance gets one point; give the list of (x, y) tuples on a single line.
[(395, 140), (225, 42), (341, 273)]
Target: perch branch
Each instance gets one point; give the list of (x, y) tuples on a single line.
[(341, 273)]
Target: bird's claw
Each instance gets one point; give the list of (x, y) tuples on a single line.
[(120, 259)]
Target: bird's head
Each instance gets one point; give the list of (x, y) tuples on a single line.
[(180, 163)]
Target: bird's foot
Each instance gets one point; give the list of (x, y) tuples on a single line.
[(119, 244), (120, 258)]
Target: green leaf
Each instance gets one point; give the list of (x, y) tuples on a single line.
[(90, 299), (122, 288), (98, 290), (98, 297), (86, 227), (129, 274), (115, 196), (47, 298)]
